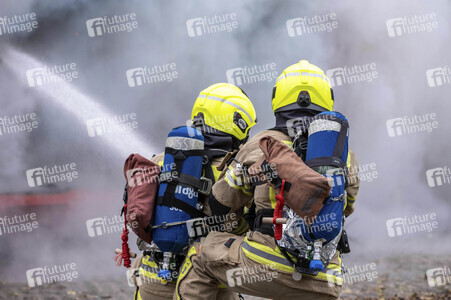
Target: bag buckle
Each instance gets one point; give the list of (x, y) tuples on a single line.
[(206, 186)]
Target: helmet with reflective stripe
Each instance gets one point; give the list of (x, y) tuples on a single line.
[(226, 108), (302, 86)]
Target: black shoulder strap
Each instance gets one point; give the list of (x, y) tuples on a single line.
[(300, 146), (169, 199), (326, 161), (214, 153), (208, 171), (209, 174), (341, 140), (251, 215), (182, 154)]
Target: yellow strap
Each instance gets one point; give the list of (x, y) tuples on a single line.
[(288, 143), (272, 197), (351, 199)]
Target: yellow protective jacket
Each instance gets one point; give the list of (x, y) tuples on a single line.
[(234, 191)]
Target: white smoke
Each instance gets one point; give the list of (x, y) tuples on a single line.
[(400, 89)]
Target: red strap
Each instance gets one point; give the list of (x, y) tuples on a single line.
[(125, 248), (278, 212)]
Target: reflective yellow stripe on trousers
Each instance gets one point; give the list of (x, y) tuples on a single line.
[(150, 269), (268, 256)]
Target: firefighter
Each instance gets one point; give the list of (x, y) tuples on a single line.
[(224, 115), (224, 259)]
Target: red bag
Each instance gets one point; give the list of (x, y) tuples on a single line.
[(142, 187)]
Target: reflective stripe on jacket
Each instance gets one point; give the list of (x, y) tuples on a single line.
[(276, 260)]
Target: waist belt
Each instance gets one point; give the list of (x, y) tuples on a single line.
[(343, 243), (151, 261)]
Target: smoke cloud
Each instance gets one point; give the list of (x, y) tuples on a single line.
[(399, 89)]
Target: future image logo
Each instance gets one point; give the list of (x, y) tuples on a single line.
[(108, 225), (18, 223), (18, 123), (438, 176), (138, 176), (408, 25), (195, 27), (336, 176), (46, 175), (438, 76), (213, 24), (352, 74), (363, 172), (353, 274), (35, 277), (395, 227), (110, 25), (234, 277), (18, 23), (137, 180), (412, 124), (248, 75), (95, 227), (135, 77), (151, 74), (411, 225), (57, 273), (202, 226), (395, 127), (111, 124), (311, 24), (95, 27), (245, 276), (439, 276), (95, 127), (46, 75)]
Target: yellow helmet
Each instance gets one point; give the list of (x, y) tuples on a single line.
[(225, 108), (302, 86)]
